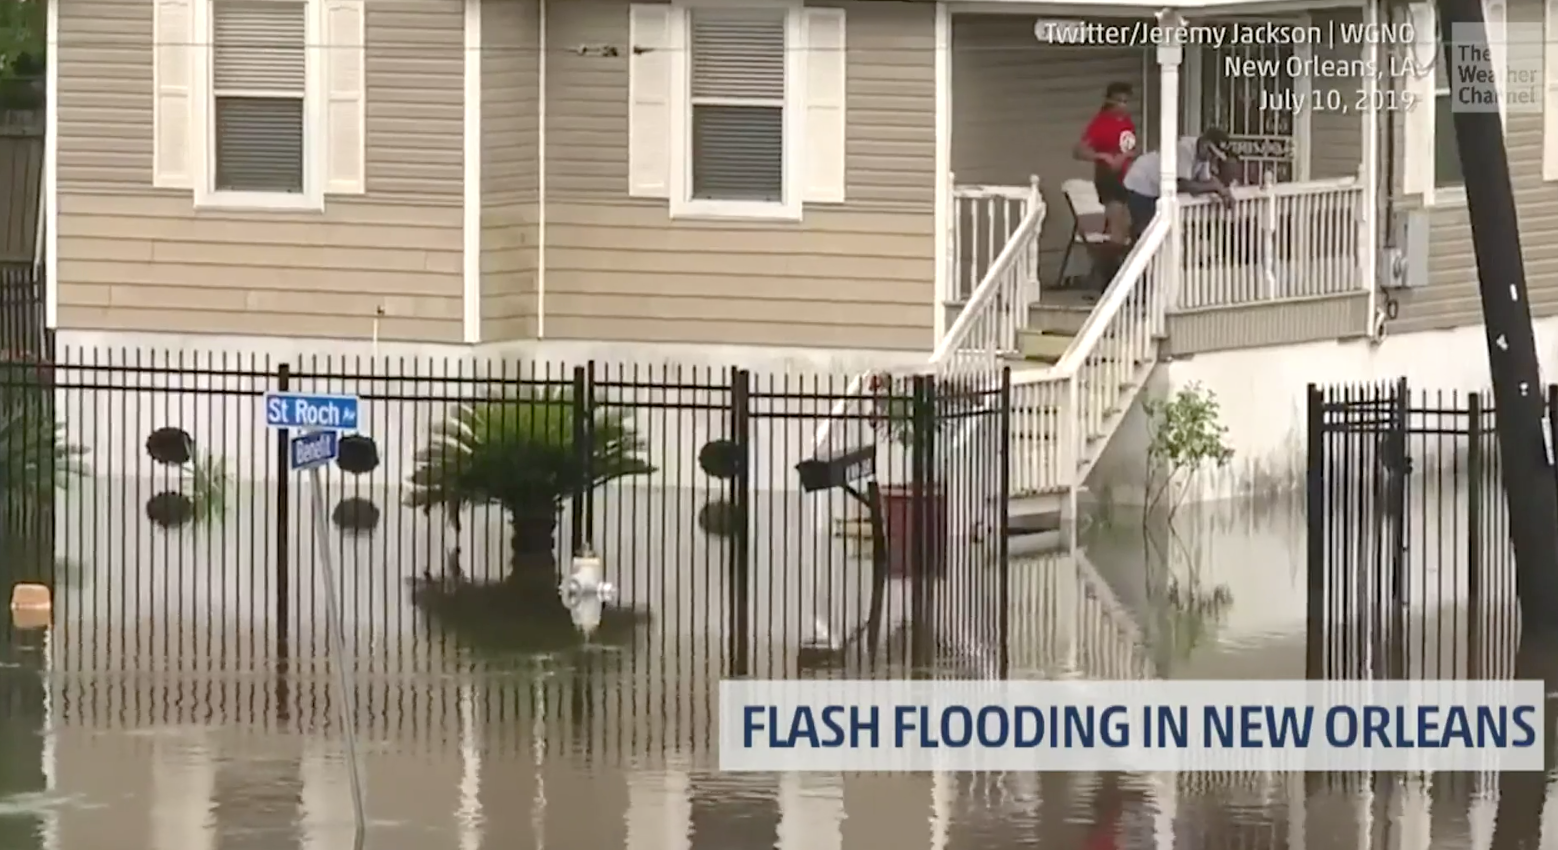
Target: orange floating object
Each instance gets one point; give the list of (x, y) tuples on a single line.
[(31, 606)]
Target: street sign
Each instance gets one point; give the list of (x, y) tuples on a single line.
[(311, 410), (315, 449)]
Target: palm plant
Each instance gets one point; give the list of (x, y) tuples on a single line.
[(516, 450), (35, 458)]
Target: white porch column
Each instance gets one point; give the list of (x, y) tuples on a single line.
[(1170, 56)]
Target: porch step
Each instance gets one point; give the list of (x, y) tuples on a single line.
[(1042, 347), (1059, 319)]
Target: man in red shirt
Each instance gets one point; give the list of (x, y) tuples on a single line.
[(1109, 142)]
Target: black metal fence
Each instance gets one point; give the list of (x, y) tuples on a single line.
[(23, 330), (146, 491), (1410, 572)]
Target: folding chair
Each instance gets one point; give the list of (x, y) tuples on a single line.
[(1087, 223)]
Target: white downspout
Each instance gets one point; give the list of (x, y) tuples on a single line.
[(51, 147), (1368, 172), (541, 170), (472, 197), (942, 223)]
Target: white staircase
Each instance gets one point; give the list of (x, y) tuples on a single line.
[(1064, 412)]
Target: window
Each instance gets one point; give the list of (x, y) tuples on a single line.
[(1432, 166), (737, 107), (1447, 158), (738, 104), (258, 93), (260, 104)]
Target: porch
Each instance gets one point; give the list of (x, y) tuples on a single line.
[(1298, 228)]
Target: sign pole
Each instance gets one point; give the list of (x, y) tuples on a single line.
[(1523, 439), (321, 418), (334, 630)]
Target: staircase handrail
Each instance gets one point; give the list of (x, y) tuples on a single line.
[(1132, 272), (977, 306), (989, 288)]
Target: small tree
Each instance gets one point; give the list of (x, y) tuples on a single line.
[(1184, 434), (22, 25)]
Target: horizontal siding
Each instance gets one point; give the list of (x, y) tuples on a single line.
[(144, 263), (510, 66), (1451, 297), (508, 271), (1336, 135), (1260, 325), (137, 258), (842, 279), (858, 275)]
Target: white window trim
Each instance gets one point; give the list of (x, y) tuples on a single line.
[(682, 204), (1550, 90), (1454, 196), (312, 198)]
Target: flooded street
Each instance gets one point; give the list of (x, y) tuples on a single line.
[(615, 747)]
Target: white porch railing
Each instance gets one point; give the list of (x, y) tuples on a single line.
[(986, 328), (984, 219), (1059, 418), (1275, 242)]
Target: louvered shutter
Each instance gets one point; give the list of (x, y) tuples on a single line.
[(345, 97), (259, 73), (1418, 142), (173, 133), (826, 67), (649, 97), (737, 81)]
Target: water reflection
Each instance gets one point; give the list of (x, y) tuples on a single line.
[(613, 748)]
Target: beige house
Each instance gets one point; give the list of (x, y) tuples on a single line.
[(841, 182), (761, 173)]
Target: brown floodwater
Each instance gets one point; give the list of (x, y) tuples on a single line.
[(141, 736)]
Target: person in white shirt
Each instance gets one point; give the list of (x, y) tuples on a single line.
[(1200, 168)]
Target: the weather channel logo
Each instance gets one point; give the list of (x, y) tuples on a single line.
[(1495, 68)]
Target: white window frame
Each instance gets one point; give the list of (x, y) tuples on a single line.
[(1449, 196), (682, 204), (203, 107)]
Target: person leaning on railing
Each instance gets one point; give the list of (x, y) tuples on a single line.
[(1201, 172)]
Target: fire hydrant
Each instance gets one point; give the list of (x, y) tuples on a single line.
[(586, 592)]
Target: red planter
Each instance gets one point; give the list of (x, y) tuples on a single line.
[(900, 515)]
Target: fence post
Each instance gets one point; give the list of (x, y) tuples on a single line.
[(1474, 490), (583, 418), (1398, 470), (1315, 633), (740, 592), (923, 487), (1003, 527), (283, 601)]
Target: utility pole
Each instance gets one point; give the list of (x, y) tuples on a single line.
[(1524, 447)]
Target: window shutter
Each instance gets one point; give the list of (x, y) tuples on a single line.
[(345, 98), (1550, 92), (649, 100), (1418, 159), (173, 110), (826, 69)]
